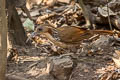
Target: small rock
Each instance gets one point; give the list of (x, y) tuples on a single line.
[(61, 67), (102, 42)]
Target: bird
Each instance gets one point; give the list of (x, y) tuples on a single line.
[(69, 35)]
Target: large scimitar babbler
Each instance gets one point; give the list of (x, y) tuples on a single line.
[(69, 35)]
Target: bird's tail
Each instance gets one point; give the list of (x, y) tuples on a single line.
[(102, 32)]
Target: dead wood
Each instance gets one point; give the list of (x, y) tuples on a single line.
[(14, 77), (16, 32)]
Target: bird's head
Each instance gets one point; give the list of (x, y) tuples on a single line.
[(42, 29)]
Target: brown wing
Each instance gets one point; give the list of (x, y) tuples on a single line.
[(73, 35)]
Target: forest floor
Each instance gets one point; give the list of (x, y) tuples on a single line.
[(92, 60)]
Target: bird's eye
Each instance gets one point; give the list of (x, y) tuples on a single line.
[(40, 29)]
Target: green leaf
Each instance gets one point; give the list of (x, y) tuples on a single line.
[(29, 25)]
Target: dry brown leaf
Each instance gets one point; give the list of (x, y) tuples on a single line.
[(50, 3), (116, 58)]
